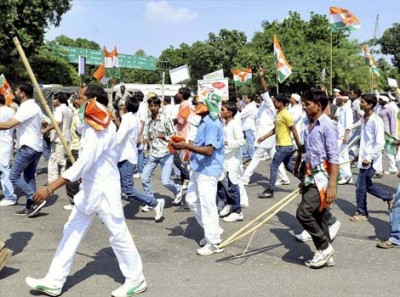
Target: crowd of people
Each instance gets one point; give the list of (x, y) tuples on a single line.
[(212, 147)]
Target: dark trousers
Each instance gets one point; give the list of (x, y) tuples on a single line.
[(72, 188), (229, 195), (312, 220), (182, 167)]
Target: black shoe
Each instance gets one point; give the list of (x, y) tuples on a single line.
[(268, 193), (34, 212)]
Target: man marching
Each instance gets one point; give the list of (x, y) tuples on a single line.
[(319, 189)]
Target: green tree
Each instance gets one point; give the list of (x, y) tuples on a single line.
[(28, 20), (390, 43)]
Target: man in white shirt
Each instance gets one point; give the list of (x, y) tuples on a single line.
[(28, 118), (248, 116), (344, 121), (100, 195), (127, 145), (372, 141), (296, 110), (63, 116), (6, 147)]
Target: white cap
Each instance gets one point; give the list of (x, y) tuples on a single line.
[(336, 90), (296, 97), (384, 98)]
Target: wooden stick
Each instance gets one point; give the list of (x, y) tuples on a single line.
[(235, 235), (41, 98), (287, 201)]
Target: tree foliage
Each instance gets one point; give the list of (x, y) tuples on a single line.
[(390, 43)]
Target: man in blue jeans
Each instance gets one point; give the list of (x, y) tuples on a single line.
[(372, 142), (157, 132), (284, 126), (28, 118)]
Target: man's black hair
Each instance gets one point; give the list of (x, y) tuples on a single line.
[(316, 96), (97, 92), (27, 88), (132, 104)]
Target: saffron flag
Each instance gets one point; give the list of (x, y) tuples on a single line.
[(370, 61), (283, 68), (100, 74), (343, 19), (242, 76), (5, 90)]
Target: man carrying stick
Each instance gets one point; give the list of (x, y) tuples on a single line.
[(100, 195), (320, 177)]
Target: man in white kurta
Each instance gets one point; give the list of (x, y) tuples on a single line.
[(264, 123), (6, 146), (99, 195), (344, 122)]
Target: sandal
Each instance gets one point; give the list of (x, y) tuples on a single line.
[(359, 218), (386, 244)]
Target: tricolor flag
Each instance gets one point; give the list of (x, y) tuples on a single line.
[(283, 68), (242, 76), (5, 90), (100, 74), (343, 19), (370, 61), (111, 64)]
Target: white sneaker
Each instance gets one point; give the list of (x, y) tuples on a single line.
[(43, 286), (203, 241), (344, 181), (303, 236), (225, 211), (209, 249), (329, 263), (281, 182), (68, 207), (321, 257), (7, 202), (178, 197), (147, 208), (185, 184), (136, 175), (333, 229), (234, 217), (128, 289), (159, 209)]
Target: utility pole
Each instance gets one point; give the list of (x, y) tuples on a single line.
[(163, 66)]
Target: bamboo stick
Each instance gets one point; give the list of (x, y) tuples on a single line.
[(41, 98), (237, 234)]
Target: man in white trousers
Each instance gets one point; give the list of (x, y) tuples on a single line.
[(100, 195)]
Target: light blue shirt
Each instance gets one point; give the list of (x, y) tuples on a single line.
[(210, 132)]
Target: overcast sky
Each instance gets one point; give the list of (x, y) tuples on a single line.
[(155, 25)]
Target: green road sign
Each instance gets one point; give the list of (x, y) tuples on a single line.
[(96, 57)]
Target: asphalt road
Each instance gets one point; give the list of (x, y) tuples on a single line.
[(272, 266)]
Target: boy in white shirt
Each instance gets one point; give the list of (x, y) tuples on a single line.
[(28, 118), (128, 155), (228, 190)]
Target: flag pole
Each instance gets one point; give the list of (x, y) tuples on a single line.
[(41, 98), (331, 72), (277, 82)]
